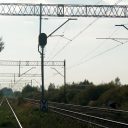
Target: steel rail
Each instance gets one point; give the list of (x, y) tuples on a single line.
[(106, 122), (80, 115), (78, 119), (36, 102), (14, 114), (107, 113), (90, 107), (80, 106), (107, 109)]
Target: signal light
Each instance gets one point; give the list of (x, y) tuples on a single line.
[(42, 39)]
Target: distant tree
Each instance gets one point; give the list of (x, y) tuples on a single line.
[(1, 45), (86, 83), (29, 91), (117, 81), (51, 87)]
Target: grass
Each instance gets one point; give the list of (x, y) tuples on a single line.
[(7, 119), (30, 116)]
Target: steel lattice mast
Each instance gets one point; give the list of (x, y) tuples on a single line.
[(30, 63), (64, 10)]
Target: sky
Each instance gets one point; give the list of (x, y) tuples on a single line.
[(84, 55)]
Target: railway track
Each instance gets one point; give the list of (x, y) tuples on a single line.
[(95, 111), (75, 112), (11, 111)]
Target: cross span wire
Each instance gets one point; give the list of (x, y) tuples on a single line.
[(77, 35), (93, 57), (99, 46), (48, 58)]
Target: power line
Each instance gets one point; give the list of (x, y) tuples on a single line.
[(101, 44), (77, 35), (58, 41), (93, 57), (93, 49), (59, 51)]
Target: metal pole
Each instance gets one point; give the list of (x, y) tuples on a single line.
[(65, 80), (40, 18), (42, 55), (42, 72)]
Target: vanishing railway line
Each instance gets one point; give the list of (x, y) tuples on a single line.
[(95, 111), (85, 114), (81, 114), (6, 108)]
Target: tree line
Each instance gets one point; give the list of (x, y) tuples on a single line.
[(83, 93)]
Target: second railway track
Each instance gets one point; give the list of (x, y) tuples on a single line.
[(95, 111), (76, 113)]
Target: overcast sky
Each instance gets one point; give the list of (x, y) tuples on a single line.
[(20, 35)]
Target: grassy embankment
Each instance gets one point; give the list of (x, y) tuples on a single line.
[(7, 119), (30, 116)]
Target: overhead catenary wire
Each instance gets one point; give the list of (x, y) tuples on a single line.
[(57, 43), (95, 49), (77, 35), (93, 57), (93, 52), (72, 39), (99, 46)]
